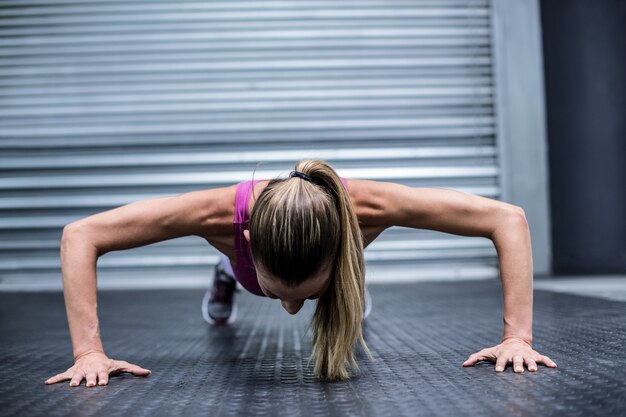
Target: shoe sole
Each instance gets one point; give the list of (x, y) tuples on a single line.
[(219, 322)]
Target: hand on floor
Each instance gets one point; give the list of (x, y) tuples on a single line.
[(96, 367), (514, 351)]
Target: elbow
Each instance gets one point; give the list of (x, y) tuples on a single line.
[(510, 218), (70, 232), (518, 215), (79, 235), (514, 216), (73, 233)]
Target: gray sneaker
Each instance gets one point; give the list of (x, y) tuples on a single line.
[(218, 304)]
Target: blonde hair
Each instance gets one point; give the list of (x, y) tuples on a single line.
[(296, 226)]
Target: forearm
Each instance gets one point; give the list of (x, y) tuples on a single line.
[(512, 241), (78, 266)]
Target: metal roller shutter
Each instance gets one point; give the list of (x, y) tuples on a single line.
[(105, 103)]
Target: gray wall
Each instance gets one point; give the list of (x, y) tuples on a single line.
[(106, 103), (584, 46)]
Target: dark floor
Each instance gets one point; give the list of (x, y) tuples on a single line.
[(420, 335)]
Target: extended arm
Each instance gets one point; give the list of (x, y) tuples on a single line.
[(133, 225), (470, 215)]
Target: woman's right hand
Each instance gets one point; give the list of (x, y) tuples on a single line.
[(95, 367)]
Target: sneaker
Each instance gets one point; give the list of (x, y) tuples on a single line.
[(367, 308), (218, 304)]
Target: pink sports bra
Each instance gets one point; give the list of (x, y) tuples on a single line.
[(244, 271)]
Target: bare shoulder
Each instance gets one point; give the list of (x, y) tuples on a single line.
[(213, 210), (371, 201)]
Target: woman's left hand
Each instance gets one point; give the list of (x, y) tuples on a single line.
[(514, 351)]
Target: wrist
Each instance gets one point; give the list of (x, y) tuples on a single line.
[(87, 352), (87, 346), (518, 329), (527, 340)]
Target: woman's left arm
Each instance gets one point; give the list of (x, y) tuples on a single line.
[(465, 214)]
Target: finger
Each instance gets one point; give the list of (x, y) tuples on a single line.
[(64, 376), (473, 359), (133, 369), (90, 380), (546, 361), (501, 363), (518, 364), (103, 377), (482, 355), (531, 364), (77, 378)]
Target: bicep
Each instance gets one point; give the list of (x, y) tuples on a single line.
[(444, 210), (149, 221)]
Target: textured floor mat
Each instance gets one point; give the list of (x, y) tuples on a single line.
[(420, 334)]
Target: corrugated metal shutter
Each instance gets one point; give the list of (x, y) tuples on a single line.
[(102, 104)]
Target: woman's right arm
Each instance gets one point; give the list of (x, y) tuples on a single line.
[(202, 213)]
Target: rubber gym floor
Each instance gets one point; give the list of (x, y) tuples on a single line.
[(419, 334)]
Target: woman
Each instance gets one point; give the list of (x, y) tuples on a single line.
[(304, 239)]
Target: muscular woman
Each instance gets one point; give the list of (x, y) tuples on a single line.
[(293, 239)]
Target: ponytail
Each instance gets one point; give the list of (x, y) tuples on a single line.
[(337, 321), (298, 224)]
